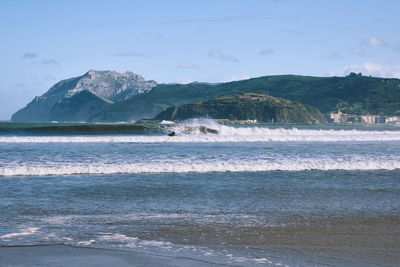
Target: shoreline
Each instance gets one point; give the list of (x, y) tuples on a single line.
[(348, 241), (284, 255), (70, 255)]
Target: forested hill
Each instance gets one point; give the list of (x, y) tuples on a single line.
[(249, 106), (354, 93)]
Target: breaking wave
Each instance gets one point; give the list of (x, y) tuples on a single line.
[(288, 164), (195, 130), (226, 134)]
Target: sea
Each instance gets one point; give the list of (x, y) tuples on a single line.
[(234, 195)]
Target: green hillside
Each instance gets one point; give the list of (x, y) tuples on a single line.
[(260, 107), (79, 107), (352, 94)]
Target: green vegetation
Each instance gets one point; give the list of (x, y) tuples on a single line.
[(354, 94), (78, 107), (260, 107)]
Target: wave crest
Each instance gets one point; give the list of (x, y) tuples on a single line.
[(294, 164), (207, 130)]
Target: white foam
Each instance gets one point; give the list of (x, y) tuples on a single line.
[(167, 122), (86, 243), (287, 164), (133, 242), (262, 260), (25, 232), (198, 131), (120, 238)]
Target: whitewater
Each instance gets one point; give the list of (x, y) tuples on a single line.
[(204, 167), (209, 131)]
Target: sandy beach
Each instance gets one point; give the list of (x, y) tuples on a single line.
[(64, 255)]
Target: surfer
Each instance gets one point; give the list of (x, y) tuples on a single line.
[(172, 133)]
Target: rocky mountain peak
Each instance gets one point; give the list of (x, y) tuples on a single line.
[(110, 86)]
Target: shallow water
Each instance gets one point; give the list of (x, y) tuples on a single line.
[(231, 197)]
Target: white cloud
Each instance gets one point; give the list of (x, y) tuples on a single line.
[(266, 51), (369, 68), (221, 56), (374, 42), (238, 78), (186, 81), (359, 51), (187, 65)]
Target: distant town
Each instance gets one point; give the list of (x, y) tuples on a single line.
[(350, 119)]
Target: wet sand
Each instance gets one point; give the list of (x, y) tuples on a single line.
[(350, 241), (65, 255), (331, 242)]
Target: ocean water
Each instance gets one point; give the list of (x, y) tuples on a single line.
[(237, 195)]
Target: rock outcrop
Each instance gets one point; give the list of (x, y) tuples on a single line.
[(103, 87)]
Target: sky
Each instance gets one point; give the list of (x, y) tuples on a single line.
[(43, 42)]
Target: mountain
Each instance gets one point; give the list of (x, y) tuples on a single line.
[(148, 105), (78, 107), (101, 88), (260, 107), (354, 94), (127, 96)]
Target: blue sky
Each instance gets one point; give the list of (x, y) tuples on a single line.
[(43, 42)]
